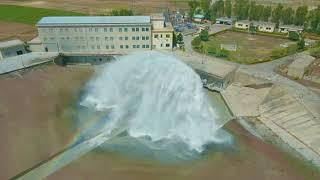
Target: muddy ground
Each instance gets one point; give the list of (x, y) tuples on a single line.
[(11, 30), (34, 127)]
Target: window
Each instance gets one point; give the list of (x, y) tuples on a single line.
[(156, 36), (107, 46), (61, 30), (83, 47), (78, 47), (120, 29), (121, 46), (133, 29), (137, 38), (143, 38), (90, 29), (120, 38), (111, 38), (127, 46), (147, 46), (143, 46), (52, 38), (98, 46), (106, 38), (96, 29), (147, 29), (62, 38), (68, 37), (143, 29), (167, 45), (147, 37), (97, 38), (137, 29), (138, 46), (133, 38), (161, 45), (167, 35), (125, 29), (80, 29), (134, 46), (111, 29), (50, 30), (126, 38), (75, 30), (112, 46), (105, 29), (161, 35)]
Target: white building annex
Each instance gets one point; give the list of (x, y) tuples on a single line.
[(102, 34)]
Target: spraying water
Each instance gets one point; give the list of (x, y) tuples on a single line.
[(154, 100)]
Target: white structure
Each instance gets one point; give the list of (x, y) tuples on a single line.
[(261, 26), (11, 48), (290, 28), (225, 21), (100, 34), (198, 18), (35, 45), (300, 65), (162, 33)]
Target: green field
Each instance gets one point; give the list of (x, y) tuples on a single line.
[(250, 49), (29, 15)]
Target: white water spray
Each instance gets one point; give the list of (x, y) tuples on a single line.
[(153, 95)]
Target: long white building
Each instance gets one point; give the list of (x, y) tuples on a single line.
[(102, 34)]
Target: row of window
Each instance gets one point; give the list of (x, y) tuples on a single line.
[(161, 36), (134, 29), (121, 46), (98, 38)]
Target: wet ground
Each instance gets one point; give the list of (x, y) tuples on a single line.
[(33, 128)]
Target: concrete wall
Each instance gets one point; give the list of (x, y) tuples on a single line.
[(12, 51), (162, 40), (241, 25), (266, 28)]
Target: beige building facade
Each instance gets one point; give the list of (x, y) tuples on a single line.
[(102, 34)]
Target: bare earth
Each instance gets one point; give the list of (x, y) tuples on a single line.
[(11, 30), (32, 127)]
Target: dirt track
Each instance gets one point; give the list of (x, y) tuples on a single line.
[(11, 30)]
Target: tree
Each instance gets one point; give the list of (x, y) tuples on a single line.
[(266, 13), (277, 14), (314, 17), (252, 11), (228, 8), (193, 5), (220, 8), (121, 12), (205, 5), (287, 16), (301, 15), (252, 29), (301, 44), (180, 39), (174, 39), (294, 36), (241, 9), (204, 35)]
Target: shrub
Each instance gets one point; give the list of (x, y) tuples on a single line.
[(204, 35), (223, 53), (294, 36), (196, 41), (301, 44), (291, 49), (315, 52)]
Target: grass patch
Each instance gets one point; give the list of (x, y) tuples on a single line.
[(30, 15), (250, 49)]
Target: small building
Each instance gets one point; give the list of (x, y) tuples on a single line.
[(198, 18), (225, 21), (290, 28), (35, 45), (245, 24), (162, 33), (300, 65), (12, 48), (265, 26)]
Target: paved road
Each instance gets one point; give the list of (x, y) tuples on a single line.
[(264, 70)]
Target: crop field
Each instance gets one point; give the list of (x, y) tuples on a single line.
[(29, 15), (249, 48)]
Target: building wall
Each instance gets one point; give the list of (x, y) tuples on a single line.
[(266, 28), (96, 38), (36, 47), (241, 25), (12, 51), (162, 40)]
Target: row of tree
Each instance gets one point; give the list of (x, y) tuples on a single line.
[(246, 9)]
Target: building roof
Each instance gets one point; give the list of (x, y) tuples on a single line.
[(301, 61), (198, 16), (6, 44), (224, 19), (291, 27), (82, 20), (257, 23)]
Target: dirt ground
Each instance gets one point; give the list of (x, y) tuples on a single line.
[(11, 30), (31, 107), (254, 160)]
